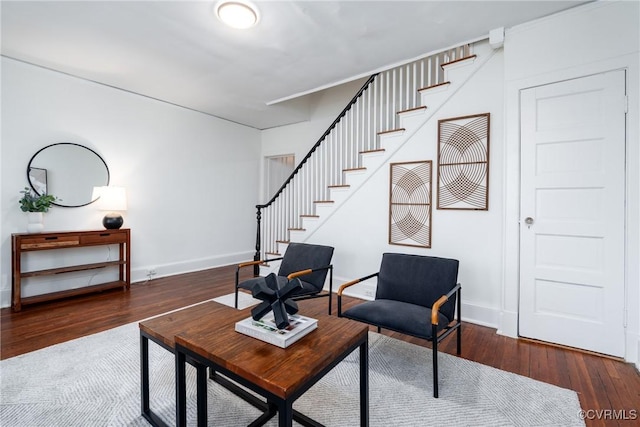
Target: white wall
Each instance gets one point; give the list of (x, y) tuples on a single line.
[(595, 38), (191, 178)]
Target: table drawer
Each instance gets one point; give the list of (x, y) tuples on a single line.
[(43, 242), (104, 238)]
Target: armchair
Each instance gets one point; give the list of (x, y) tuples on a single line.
[(307, 262), (416, 295)]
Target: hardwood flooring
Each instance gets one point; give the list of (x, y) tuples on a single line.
[(609, 390)]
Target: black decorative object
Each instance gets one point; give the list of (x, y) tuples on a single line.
[(275, 299)]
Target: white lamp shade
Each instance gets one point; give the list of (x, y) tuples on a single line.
[(110, 198)]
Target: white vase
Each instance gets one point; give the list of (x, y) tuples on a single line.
[(35, 222)]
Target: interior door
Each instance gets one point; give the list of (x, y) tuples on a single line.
[(572, 213)]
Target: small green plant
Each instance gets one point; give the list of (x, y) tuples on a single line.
[(31, 202)]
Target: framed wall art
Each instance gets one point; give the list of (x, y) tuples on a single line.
[(410, 204), (463, 163)]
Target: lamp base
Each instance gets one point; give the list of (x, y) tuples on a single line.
[(112, 221)]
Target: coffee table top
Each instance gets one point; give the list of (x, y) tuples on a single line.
[(164, 328), (208, 330)]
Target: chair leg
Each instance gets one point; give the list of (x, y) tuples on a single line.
[(435, 361), (330, 287), (459, 331), (237, 283)]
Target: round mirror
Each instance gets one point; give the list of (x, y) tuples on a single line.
[(68, 171)]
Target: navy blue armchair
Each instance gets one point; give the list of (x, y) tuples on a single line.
[(307, 262), (416, 295)]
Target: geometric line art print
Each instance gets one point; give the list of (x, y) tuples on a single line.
[(410, 204), (463, 163)]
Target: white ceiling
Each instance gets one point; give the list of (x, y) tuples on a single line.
[(178, 51)]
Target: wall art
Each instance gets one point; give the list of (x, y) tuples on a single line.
[(463, 163), (410, 204)]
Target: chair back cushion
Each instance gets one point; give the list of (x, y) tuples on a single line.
[(418, 280), (304, 256)]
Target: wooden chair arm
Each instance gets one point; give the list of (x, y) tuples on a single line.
[(353, 282), (299, 273), (436, 306), (307, 271), (248, 263), (262, 261)]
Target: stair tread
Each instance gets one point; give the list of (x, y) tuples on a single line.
[(340, 186), (354, 169), (434, 86), (323, 201), (296, 229), (458, 60), (422, 107), (391, 131), (377, 150), (310, 216)]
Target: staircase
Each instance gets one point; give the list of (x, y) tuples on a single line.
[(389, 109)]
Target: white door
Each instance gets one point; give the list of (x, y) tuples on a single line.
[(572, 213)]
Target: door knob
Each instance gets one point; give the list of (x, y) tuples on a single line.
[(528, 220)]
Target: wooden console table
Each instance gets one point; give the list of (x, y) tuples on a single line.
[(22, 243)]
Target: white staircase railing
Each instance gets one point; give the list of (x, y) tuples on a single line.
[(373, 110)]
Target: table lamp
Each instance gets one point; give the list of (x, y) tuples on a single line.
[(111, 199)]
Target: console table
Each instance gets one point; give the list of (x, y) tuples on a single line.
[(22, 243)]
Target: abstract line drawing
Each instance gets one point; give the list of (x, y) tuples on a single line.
[(410, 204), (463, 163)]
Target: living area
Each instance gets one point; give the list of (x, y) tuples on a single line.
[(204, 175), (78, 394)]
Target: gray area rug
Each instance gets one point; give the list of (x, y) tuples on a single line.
[(95, 381)]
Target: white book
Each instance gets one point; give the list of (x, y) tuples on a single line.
[(265, 329)]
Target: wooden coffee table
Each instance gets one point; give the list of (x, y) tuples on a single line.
[(204, 336)]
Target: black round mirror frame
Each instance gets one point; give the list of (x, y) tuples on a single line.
[(39, 185)]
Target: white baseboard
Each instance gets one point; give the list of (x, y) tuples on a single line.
[(139, 274), (480, 315), (5, 298), (508, 324)]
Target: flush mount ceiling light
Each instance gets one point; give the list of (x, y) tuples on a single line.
[(237, 14)]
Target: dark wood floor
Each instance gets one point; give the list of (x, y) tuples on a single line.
[(603, 384)]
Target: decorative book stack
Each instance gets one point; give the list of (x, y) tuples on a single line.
[(265, 329)]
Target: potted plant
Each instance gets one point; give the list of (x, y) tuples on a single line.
[(35, 205)]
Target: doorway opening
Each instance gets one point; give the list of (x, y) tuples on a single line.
[(277, 170)]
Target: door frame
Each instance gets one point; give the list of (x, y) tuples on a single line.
[(508, 324)]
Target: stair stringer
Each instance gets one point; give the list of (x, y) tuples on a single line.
[(392, 142)]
